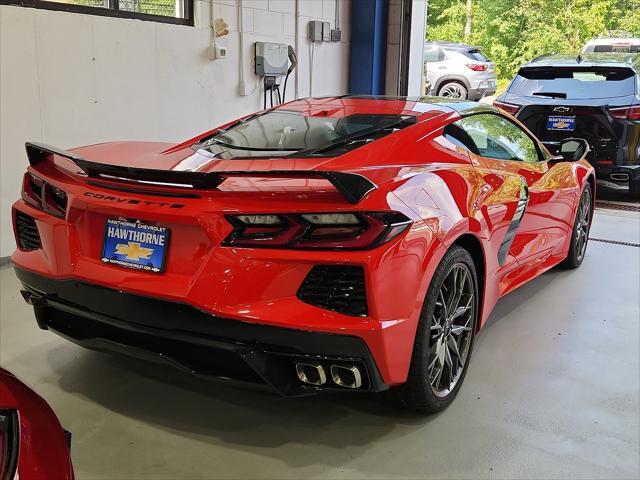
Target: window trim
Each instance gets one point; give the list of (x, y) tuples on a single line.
[(111, 11), (541, 156)]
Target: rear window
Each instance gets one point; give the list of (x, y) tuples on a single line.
[(280, 133), (612, 49), (476, 55), (574, 82)]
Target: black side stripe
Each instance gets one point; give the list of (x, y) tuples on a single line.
[(505, 246)]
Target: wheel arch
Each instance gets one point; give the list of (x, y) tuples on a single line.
[(473, 246), (452, 78)]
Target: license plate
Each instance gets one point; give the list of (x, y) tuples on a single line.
[(135, 245), (562, 123)]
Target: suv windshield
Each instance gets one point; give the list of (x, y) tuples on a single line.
[(574, 82), (281, 132)]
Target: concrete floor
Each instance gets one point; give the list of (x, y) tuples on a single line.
[(552, 392)]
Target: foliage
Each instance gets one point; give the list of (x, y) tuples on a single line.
[(165, 8), (512, 32)]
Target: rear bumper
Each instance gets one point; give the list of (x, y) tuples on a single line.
[(618, 174), (201, 344), (482, 91)]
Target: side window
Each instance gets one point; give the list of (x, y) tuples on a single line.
[(496, 137), (458, 136), (433, 54)]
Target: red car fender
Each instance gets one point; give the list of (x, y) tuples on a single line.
[(43, 451)]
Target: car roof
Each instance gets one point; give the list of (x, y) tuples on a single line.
[(587, 60), (453, 45), (383, 104)]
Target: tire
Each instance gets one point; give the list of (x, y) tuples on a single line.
[(418, 393), (453, 90), (634, 189), (580, 232)]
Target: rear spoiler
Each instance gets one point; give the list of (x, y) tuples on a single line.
[(352, 186)]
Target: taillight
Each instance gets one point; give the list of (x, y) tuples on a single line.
[(331, 231), (632, 112), (9, 444), (507, 107), (43, 195), (477, 67)]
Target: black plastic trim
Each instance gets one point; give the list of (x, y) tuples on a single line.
[(105, 319), (518, 214)]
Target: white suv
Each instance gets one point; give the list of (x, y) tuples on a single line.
[(457, 70), (609, 45)]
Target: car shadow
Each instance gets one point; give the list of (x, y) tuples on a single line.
[(213, 412)]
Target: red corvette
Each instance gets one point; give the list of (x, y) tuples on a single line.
[(345, 243), (33, 445)]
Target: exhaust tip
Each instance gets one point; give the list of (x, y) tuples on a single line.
[(347, 376), (620, 177), (311, 373)]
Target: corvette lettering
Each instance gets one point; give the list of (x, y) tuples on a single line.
[(130, 201)]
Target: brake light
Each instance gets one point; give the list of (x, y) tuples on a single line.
[(477, 67), (632, 112), (331, 231), (507, 107), (44, 196)]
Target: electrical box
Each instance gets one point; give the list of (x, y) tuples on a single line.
[(271, 58), (315, 31), (326, 32), (217, 52), (336, 35)]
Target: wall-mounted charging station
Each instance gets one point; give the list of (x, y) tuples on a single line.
[(272, 62)]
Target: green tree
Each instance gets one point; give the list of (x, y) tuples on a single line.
[(512, 32)]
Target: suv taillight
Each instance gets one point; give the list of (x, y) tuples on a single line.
[(330, 231), (477, 67), (44, 196), (507, 107), (632, 112)]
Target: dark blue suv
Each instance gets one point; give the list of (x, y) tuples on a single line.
[(591, 96)]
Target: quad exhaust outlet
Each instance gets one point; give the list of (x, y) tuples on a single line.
[(311, 373), (343, 375), (347, 376)]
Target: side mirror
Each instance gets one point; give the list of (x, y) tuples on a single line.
[(573, 149)]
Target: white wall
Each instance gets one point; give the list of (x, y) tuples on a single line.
[(69, 79)]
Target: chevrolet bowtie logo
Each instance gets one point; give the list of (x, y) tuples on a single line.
[(133, 251)]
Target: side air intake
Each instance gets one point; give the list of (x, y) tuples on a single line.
[(27, 235)]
